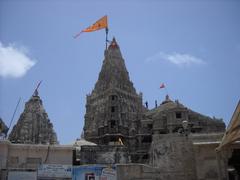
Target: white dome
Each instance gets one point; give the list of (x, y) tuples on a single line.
[(83, 142)]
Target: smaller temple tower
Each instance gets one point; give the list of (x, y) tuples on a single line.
[(3, 129), (33, 126)]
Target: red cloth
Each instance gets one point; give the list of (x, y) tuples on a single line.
[(162, 85)]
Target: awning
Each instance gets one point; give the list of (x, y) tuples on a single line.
[(232, 133)]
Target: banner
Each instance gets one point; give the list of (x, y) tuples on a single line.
[(94, 172), (55, 171)]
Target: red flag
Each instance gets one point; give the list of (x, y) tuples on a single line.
[(162, 86)]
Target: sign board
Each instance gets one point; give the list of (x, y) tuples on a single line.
[(26, 175), (94, 172), (108, 174), (55, 171)]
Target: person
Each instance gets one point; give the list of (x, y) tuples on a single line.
[(146, 104)]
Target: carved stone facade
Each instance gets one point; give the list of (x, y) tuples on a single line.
[(104, 154), (115, 114), (33, 126), (3, 128), (113, 109), (168, 118)]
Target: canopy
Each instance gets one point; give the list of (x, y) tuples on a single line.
[(232, 133)]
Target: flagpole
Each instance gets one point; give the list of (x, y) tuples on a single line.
[(106, 37), (166, 90), (13, 116), (164, 87)]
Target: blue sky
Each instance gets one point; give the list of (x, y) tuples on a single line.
[(191, 46)]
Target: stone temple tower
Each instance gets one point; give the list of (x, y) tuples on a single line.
[(33, 126), (113, 109)]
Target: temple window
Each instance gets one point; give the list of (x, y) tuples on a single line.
[(113, 97), (178, 115), (112, 109), (147, 139), (149, 126), (113, 123)]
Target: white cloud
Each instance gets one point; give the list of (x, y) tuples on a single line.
[(176, 58), (14, 61)]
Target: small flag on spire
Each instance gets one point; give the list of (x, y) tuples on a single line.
[(99, 24), (162, 85)]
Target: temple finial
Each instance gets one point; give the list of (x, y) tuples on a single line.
[(35, 93), (114, 43)]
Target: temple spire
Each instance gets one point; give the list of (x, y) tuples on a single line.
[(35, 93), (113, 43), (33, 126), (114, 104), (113, 73)]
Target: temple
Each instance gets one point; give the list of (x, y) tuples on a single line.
[(113, 109), (33, 126), (3, 128), (115, 114), (122, 139)]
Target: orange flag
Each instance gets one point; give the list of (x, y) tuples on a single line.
[(99, 24)]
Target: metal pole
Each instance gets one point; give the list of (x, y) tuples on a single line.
[(13, 115), (106, 37)]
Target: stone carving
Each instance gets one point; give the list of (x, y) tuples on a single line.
[(161, 150), (168, 118), (115, 114), (113, 107), (33, 126), (3, 128)]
